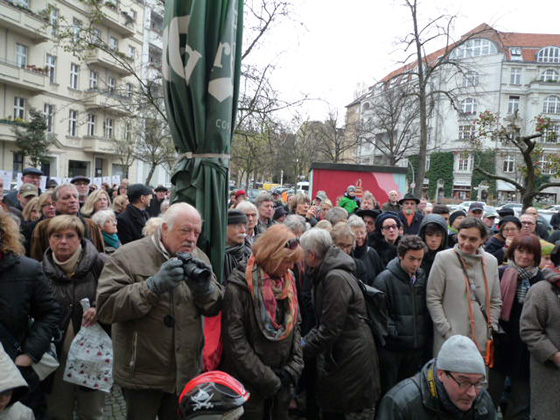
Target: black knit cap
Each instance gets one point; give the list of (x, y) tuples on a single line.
[(456, 214), (384, 216), (234, 217), (507, 219)]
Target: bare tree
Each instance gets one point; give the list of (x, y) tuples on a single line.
[(154, 146), (535, 161), (331, 142)]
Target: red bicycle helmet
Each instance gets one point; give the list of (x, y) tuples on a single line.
[(211, 395)]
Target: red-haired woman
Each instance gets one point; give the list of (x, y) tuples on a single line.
[(260, 324), (511, 358)]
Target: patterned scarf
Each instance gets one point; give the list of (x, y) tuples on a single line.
[(267, 293), (523, 284)]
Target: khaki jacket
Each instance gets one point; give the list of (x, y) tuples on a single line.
[(147, 353)]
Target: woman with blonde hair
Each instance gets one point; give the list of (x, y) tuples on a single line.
[(32, 211), (262, 343), (96, 201), (46, 204), (119, 203)]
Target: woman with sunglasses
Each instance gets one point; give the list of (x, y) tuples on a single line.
[(260, 324), (387, 235)]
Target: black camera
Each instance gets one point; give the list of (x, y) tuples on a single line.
[(192, 269)]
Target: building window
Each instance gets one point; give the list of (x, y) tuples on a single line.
[(54, 21), (17, 163), (131, 52), (545, 165), (73, 123), (428, 161), (76, 29), (96, 36), (516, 54), (466, 132), (21, 55), (51, 68), (19, 108), (93, 77), (111, 84), (108, 128), (549, 55), (509, 164), (513, 104), (113, 43), (129, 90), (464, 162), (470, 79), (468, 106), (515, 76), (48, 110), (91, 125), (549, 76), (475, 47), (74, 76), (551, 135), (551, 105), (128, 131)]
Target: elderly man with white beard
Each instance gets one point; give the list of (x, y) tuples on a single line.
[(237, 250), (409, 214)]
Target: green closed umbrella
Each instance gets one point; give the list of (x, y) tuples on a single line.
[(201, 68)]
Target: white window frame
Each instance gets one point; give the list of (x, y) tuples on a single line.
[(111, 84), (73, 123), (549, 55), (475, 47), (509, 164), (465, 132), (91, 125), (470, 79), (469, 106), (131, 52), (513, 104), (53, 19), (74, 76), (129, 90), (549, 75), (515, 76), (546, 166), (554, 128), (51, 68), (113, 43), (93, 79), (516, 54), (108, 128), (19, 107), (22, 52), (551, 105), (464, 164), (48, 111), (76, 29)]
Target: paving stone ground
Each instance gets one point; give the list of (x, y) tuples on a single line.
[(115, 407)]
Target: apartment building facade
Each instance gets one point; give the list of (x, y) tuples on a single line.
[(513, 75), (85, 96)]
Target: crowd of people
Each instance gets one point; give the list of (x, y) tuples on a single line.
[(470, 300)]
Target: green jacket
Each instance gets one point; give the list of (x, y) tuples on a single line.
[(349, 204)]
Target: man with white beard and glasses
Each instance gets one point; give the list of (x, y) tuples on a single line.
[(409, 215)]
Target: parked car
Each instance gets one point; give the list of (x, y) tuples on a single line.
[(466, 204), (516, 207)]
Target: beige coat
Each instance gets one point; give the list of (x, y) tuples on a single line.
[(540, 329), (147, 353), (446, 296)]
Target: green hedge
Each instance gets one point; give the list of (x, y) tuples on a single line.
[(485, 160), (441, 167)]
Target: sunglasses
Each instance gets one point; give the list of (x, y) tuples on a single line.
[(292, 243)]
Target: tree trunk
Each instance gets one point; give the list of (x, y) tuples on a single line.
[(150, 174)]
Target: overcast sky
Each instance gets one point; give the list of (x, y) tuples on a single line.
[(331, 47)]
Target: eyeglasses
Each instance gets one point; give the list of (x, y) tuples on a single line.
[(394, 227), (292, 243), (465, 385), (527, 223)]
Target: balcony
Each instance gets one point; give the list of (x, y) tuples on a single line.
[(31, 79), (112, 103), (109, 61), (7, 130), (95, 144), (23, 21), (117, 19)]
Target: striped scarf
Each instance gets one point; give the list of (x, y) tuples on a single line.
[(523, 283), (267, 294)]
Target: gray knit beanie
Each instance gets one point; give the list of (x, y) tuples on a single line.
[(459, 354)]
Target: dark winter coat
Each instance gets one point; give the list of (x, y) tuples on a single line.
[(368, 264), (25, 293), (495, 246), (430, 255), (130, 224), (414, 226), (414, 398), (385, 250), (347, 365), (154, 209), (410, 325), (248, 355), (512, 356), (70, 290)]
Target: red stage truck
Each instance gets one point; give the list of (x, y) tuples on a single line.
[(334, 178)]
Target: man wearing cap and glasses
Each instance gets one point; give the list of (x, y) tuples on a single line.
[(29, 176), (131, 221), (453, 385), (155, 205), (82, 185)]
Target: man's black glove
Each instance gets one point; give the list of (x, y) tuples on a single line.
[(284, 376), (167, 278), (200, 285)]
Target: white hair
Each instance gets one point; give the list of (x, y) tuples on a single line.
[(317, 241), (336, 214), (296, 223), (177, 210), (101, 217), (245, 206), (356, 222)]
